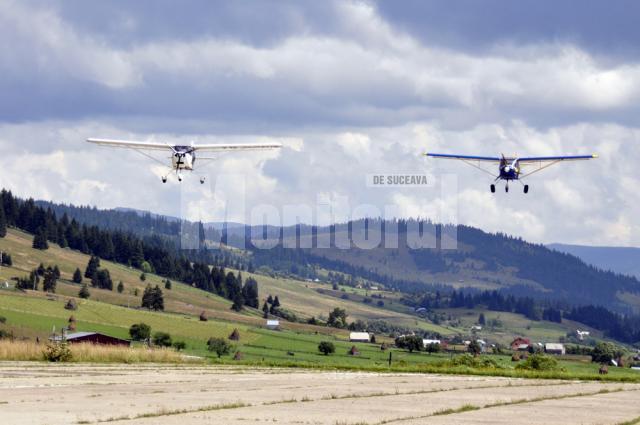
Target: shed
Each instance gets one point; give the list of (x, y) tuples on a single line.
[(273, 324), (426, 342), (92, 338), (359, 337), (554, 348)]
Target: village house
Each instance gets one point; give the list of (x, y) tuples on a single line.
[(554, 348), (92, 338), (520, 344)]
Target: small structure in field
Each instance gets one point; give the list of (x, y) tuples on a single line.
[(359, 337), (274, 325), (582, 334), (554, 348), (426, 342), (92, 338), (235, 335), (353, 351), (520, 344)]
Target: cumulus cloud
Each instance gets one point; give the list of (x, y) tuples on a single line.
[(350, 88)]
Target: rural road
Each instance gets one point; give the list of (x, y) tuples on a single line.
[(38, 393)]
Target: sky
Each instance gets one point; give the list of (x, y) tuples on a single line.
[(350, 88)]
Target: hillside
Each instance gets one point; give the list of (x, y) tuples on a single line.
[(480, 261), (35, 313), (623, 260)]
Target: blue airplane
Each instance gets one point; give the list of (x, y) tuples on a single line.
[(511, 168)]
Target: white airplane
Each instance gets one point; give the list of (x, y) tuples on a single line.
[(183, 157)]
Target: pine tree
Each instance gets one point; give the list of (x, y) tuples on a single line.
[(40, 240), (77, 276), (50, 280), (3, 223), (250, 293), (84, 292), (265, 310), (120, 287), (92, 267), (147, 297), (143, 277), (276, 302), (56, 271), (158, 299), (238, 302), (167, 284)]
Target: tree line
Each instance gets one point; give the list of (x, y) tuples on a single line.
[(149, 255)]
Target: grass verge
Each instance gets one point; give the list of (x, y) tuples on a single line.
[(90, 353)]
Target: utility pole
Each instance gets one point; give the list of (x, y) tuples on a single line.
[(390, 356)]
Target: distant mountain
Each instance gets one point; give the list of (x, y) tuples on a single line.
[(617, 259)]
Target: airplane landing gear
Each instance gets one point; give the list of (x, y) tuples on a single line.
[(506, 188), (493, 188), (526, 188), (164, 180), (179, 178), (201, 180)]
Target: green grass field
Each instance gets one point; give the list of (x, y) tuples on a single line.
[(34, 314)]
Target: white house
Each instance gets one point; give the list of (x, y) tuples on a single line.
[(582, 334), (359, 337), (554, 348), (273, 324)]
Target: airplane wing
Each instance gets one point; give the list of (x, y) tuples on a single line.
[(555, 158), (217, 147), (131, 144), (464, 157), (222, 147)]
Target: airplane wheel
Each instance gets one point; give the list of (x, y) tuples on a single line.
[(493, 188), (526, 188), (202, 180), (506, 188), (164, 180)]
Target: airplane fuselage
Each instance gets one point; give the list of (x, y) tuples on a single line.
[(509, 169), (183, 158)]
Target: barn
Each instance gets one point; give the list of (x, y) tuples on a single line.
[(359, 337), (92, 338), (552, 348)]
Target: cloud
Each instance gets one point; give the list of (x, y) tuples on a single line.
[(350, 87)]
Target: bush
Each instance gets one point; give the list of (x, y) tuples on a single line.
[(179, 345), (84, 292), (326, 348), (604, 352), (162, 339), (140, 331), (3, 319), (539, 362), (57, 352), (472, 361), (409, 342), (203, 316), (219, 346)]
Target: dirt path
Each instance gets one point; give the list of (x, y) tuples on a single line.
[(32, 393)]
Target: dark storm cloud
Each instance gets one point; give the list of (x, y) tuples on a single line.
[(605, 28)]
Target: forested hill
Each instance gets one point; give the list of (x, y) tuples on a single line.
[(481, 261)]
